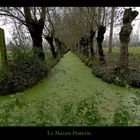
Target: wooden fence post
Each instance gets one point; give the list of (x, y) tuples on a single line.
[(3, 48)]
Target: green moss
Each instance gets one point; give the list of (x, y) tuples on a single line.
[(69, 82)]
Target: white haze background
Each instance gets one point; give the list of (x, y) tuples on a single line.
[(136, 24)]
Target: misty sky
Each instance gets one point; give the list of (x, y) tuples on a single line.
[(136, 23)]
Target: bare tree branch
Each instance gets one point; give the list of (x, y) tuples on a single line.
[(103, 16), (47, 28), (93, 16), (19, 11), (10, 15), (27, 13), (43, 13), (50, 21)]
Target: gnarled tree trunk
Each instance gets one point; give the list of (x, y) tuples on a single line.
[(84, 43), (50, 41), (100, 38), (81, 45), (86, 46), (92, 34), (59, 46), (35, 28), (124, 35)]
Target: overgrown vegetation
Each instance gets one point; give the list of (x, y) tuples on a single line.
[(110, 73), (126, 115), (67, 96), (13, 113), (85, 113), (56, 101), (23, 70)]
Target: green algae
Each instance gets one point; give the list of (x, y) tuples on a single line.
[(69, 82)]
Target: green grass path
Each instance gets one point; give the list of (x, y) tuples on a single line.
[(71, 81)]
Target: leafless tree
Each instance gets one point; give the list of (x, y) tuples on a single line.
[(33, 18)]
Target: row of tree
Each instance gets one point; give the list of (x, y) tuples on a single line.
[(79, 28), (39, 23), (96, 23)]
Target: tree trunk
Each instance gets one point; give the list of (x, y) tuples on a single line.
[(64, 50), (111, 30), (35, 28), (124, 35), (100, 38), (85, 46), (62, 47), (59, 46), (76, 47), (96, 46), (92, 54), (124, 56), (86, 51), (50, 41), (81, 45)]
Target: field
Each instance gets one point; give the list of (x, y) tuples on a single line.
[(131, 50)]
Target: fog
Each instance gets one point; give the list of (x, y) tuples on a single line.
[(135, 23)]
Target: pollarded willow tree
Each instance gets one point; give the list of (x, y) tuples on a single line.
[(79, 30), (124, 35), (99, 17), (103, 17), (71, 25), (50, 31), (59, 41), (81, 23), (91, 30), (35, 26), (33, 18), (116, 15)]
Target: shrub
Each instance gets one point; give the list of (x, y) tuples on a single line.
[(127, 115), (90, 64), (87, 61), (121, 116), (110, 73), (23, 71), (85, 113), (18, 112), (133, 78)]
